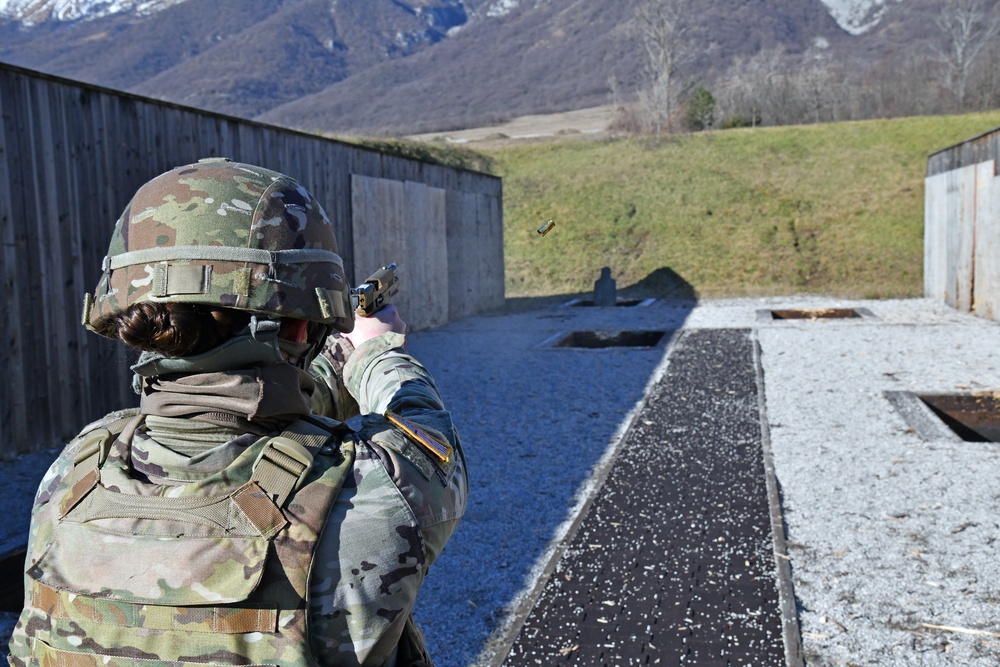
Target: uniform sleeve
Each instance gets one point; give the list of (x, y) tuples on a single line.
[(394, 517), (381, 376), (369, 567)]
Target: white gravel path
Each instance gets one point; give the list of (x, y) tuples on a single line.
[(888, 533)]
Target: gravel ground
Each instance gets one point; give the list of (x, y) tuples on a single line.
[(673, 562), (888, 532)]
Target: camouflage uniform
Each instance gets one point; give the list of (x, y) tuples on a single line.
[(270, 248), (156, 539), (352, 591), (388, 524)]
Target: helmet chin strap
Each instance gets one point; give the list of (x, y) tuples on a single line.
[(315, 344), (256, 345)]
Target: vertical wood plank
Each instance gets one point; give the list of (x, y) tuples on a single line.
[(404, 223), (62, 195), (32, 274), (475, 253), (431, 249), (13, 406), (71, 157), (964, 239), (459, 282), (492, 288), (56, 252), (986, 259)]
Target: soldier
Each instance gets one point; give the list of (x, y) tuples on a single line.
[(223, 522)]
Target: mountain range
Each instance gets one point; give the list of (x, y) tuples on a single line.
[(405, 66)]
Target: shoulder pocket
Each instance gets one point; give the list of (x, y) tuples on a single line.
[(394, 439), (423, 446)]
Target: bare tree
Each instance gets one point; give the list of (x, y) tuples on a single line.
[(662, 27), (967, 27), (985, 90), (753, 89)]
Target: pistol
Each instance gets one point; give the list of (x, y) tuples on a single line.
[(374, 294)]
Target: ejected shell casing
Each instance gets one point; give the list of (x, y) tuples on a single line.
[(547, 227)]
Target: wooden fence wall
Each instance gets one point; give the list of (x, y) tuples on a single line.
[(962, 226), (72, 155)]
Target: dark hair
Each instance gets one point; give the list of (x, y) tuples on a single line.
[(174, 329)]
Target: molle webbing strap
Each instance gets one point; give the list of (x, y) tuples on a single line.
[(86, 472), (94, 448), (221, 620), (281, 468), (260, 510), (259, 515), (286, 459), (213, 253), (171, 279)]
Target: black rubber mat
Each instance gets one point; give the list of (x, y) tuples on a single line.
[(673, 563)]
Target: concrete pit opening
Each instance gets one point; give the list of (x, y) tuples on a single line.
[(620, 303), (972, 417), (815, 314), (607, 339)]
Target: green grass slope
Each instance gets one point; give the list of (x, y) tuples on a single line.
[(835, 209)]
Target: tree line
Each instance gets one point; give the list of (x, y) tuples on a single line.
[(957, 70)]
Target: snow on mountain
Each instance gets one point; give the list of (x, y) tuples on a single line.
[(857, 16), (501, 8), (854, 16), (31, 12)]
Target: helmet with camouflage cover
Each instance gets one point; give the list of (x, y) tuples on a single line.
[(226, 234)]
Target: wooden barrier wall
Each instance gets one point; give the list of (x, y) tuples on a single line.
[(962, 227), (72, 155)]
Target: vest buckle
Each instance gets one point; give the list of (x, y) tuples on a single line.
[(282, 467)]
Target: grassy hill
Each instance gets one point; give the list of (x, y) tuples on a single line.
[(834, 209)]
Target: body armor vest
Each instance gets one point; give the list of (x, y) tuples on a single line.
[(209, 572)]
